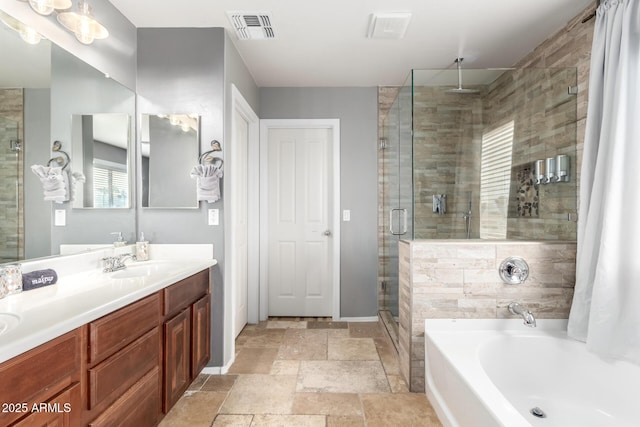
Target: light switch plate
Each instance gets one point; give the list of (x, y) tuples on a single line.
[(214, 217), (60, 218), (346, 215)]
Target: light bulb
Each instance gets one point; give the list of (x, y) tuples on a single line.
[(43, 7), (185, 127), (174, 120), (46, 7), (83, 31), (30, 35), (83, 24)]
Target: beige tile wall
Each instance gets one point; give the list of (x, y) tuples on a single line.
[(11, 171), (459, 279)]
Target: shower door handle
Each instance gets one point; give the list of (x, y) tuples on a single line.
[(403, 228)]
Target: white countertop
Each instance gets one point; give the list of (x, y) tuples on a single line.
[(88, 294)]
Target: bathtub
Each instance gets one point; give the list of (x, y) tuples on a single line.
[(485, 373)]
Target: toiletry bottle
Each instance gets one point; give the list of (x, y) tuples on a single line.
[(142, 248)]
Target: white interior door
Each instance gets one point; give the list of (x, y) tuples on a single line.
[(300, 221), (239, 219)]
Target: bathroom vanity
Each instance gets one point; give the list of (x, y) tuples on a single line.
[(135, 343)]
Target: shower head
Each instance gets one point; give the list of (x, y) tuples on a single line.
[(460, 89)]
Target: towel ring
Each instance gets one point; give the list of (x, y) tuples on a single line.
[(57, 146), (215, 146)]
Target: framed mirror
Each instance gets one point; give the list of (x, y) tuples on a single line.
[(170, 146), (100, 149)]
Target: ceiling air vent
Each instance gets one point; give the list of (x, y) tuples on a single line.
[(388, 25), (252, 25)]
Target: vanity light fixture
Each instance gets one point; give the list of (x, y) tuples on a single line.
[(27, 33), (83, 24)]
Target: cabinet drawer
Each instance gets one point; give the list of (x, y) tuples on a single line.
[(185, 292), (109, 379), (40, 373), (138, 407), (63, 410), (114, 331)]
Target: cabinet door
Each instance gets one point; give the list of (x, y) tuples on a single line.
[(177, 358), (200, 336), (61, 411)]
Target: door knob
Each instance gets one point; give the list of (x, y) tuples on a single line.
[(327, 233)]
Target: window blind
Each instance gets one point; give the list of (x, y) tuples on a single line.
[(495, 179), (109, 188)]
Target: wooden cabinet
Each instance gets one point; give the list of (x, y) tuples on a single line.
[(124, 350), (39, 376), (123, 369), (200, 335), (186, 335), (177, 355)]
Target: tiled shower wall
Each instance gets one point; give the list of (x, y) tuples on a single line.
[(544, 117), (459, 279), (11, 173)]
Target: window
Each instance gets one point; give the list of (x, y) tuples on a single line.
[(495, 178), (110, 185)]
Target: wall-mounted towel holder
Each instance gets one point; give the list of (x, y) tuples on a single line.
[(206, 158), (64, 161)]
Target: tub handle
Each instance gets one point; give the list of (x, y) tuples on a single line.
[(514, 270)]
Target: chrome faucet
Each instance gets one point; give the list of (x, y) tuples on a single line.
[(115, 263), (527, 316)]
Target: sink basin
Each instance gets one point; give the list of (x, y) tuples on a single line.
[(132, 271), (8, 321)]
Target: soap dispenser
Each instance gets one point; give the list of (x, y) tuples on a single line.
[(142, 248)]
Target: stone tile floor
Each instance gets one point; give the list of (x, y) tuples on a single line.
[(306, 373)]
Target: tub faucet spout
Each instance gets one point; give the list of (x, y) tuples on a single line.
[(527, 316)]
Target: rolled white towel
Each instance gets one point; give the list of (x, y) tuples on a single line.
[(54, 179), (40, 170), (75, 177), (57, 196), (208, 189)]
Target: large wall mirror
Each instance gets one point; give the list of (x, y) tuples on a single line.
[(169, 150), (42, 87), (100, 149)]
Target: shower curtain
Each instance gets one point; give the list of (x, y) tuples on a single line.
[(606, 304)]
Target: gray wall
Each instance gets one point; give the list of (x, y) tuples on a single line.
[(236, 73), (77, 88), (180, 70), (37, 130), (357, 110)]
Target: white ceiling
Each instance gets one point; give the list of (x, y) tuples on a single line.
[(324, 43)]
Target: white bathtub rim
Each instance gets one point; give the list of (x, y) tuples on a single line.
[(466, 363), (475, 379)]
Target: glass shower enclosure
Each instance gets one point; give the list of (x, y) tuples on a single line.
[(494, 161), (10, 159)]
